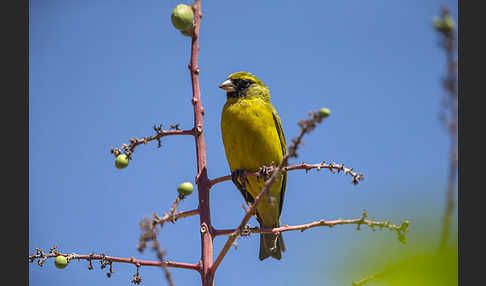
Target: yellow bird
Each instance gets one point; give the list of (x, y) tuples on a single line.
[(253, 137)]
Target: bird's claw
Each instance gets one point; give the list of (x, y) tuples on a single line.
[(245, 230), (264, 172)]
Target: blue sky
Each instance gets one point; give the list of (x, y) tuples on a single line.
[(104, 71)]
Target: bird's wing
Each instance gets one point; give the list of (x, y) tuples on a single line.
[(249, 200), (283, 145)]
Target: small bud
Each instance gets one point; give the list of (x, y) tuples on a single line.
[(438, 24), (121, 161), (324, 112), (182, 17), (402, 238), (449, 23), (445, 24), (404, 226), (185, 189), (61, 262)]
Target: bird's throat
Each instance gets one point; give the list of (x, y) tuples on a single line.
[(235, 94)]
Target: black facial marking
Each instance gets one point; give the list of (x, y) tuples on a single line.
[(241, 86), (241, 83)]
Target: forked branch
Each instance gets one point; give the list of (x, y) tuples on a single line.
[(306, 126)]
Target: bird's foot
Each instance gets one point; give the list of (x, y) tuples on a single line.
[(245, 230), (264, 172)]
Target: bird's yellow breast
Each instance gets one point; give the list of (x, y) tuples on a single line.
[(249, 134)]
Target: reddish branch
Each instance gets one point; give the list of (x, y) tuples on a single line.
[(329, 223), (202, 179), (128, 149), (110, 259), (332, 167), (172, 217)]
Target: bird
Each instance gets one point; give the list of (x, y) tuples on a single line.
[(253, 138)]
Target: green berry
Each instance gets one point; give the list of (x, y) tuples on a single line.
[(61, 262), (182, 17), (324, 112), (121, 161), (185, 189)]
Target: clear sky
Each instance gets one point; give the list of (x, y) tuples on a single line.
[(104, 71)]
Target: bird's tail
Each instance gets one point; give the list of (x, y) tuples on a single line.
[(271, 245)]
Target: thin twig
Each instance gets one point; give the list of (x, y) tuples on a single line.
[(150, 233), (148, 226), (160, 255), (400, 229), (43, 256), (366, 279), (332, 167), (128, 149), (173, 217), (449, 115), (173, 208)]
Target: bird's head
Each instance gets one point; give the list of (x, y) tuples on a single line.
[(244, 84)]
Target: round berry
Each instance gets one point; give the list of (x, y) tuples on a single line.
[(324, 112), (182, 17), (121, 161), (61, 261), (185, 189)]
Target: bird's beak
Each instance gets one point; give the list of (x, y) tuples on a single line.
[(227, 85)]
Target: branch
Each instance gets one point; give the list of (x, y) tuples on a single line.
[(169, 217), (446, 28), (148, 226), (159, 133), (160, 255), (306, 126), (107, 260), (401, 229), (150, 232), (202, 180), (172, 217), (332, 167), (366, 279)]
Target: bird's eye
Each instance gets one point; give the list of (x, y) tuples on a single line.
[(235, 82), (242, 83)]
